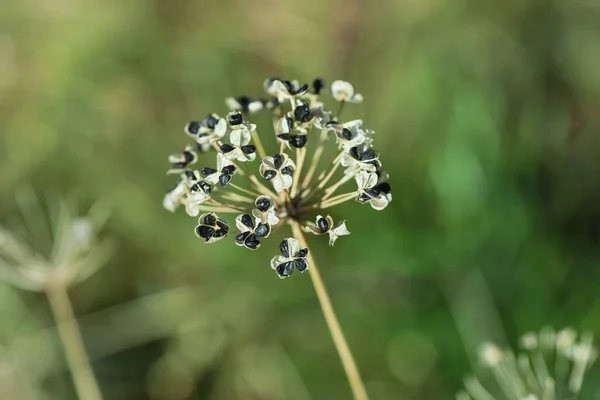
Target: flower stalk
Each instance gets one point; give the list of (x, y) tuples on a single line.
[(72, 342), (339, 340)]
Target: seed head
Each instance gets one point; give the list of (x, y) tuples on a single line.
[(293, 182)]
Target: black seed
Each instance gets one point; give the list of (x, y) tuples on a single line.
[(224, 179), (298, 141), (284, 136), (244, 102), (190, 175), (302, 113), (317, 85), (206, 188), (300, 264), (373, 192), (269, 174), (323, 225), (192, 127), (263, 203), (210, 121), (188, 156), (205, 232), (207, 171), (283, 247), (288, 85), (247, 220), (240, 238), (220, 233), (222, 225), (368, 155), (229, 169), (384, 187), (248, 149), (285, 269), (262, 230), (252, 242), (363, 198), (301, 253), (287, 171), (210, 219), (354, 153), (346, 134), (301, 89), (277, 160), (226, 148), (235, 119), (290, 123)]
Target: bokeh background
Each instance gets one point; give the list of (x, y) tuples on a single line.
[(487, 119)]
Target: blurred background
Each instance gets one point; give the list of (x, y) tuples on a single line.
[(487, 119)]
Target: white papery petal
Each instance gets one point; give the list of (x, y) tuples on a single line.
[(278, 183), (282, 126), (288, 162), (279, 259), (272, 219), (365, 180), (294, 246), (369, 179), (267, 162), (220, 128), (170, 202), (380, 202), (255, 106), (347, 160), (342, 90), (354, 124), (233, 104), (339, 230), (212, 179), (287, 181), (241, 227), (222, 162), (357, 98), (239, 137)]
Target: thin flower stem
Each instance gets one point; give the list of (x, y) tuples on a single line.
[(218, 209), (241, 189), (331, 190), (213, 202), (356, 383), (259, 146), (313, 164), (300, 155), (339, 111), (310, 194), (75, 353), (330, 174), (238, 198), (262, 188), (337, 199)]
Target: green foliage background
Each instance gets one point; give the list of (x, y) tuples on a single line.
[(487, 119)]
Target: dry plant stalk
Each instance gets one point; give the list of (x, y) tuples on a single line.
[(75, 254)]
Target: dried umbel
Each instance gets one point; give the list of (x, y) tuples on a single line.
[(552, 365), (291, 185), (76, 250)]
